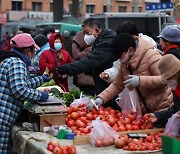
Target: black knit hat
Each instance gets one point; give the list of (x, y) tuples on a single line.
[(48, 29), (40, 40), (122, 42)]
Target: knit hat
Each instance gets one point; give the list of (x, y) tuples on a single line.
[(48, 29), (23, 40), (170, 33), (40, 40), (169, 65), (122, 42)]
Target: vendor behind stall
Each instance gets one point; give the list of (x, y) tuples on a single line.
[(15, 86), (139, 70), (169, 67)]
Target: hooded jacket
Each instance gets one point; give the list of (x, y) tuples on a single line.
[(50, 59), (144, 63), (101, 58)]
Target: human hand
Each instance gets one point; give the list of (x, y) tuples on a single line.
[(46, 78), (104, 76), (152, 117), (178, 114), (98, 101), (62, 70), (44, 97), (133, 81)]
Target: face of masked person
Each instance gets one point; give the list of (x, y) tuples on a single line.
[(172, 83), (89, 39), (57, 46), (126, 56)]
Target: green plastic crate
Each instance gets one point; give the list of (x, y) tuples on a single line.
[(170, 145)]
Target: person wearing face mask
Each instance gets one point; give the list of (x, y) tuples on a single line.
[(101, 57), (48, 31), (169, 67), (139, 70), (55, 56), (16, 86), (170, 41)]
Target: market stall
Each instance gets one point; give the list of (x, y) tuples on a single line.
[(64, 122)]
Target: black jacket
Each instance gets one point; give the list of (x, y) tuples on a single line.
[(101, 58), (164, 115)]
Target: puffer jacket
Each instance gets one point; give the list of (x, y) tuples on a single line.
[(144, 63), (79, 50)]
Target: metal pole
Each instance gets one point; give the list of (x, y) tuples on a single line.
[(159, 22), (136, 8), (75, 6), (108, 5), (58, 10)]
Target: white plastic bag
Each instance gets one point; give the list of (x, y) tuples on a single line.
[(102, 134), (173, 126), (81, 102), (129, 103)]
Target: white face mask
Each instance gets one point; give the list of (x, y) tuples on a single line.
[(89, 39), (48, 36), (172, 84)]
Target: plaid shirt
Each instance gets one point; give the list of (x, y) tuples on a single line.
[(15, 88)]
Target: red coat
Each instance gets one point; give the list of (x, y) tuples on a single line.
[(51, 59), (177, 91)]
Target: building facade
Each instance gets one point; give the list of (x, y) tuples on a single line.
[(44, 8)]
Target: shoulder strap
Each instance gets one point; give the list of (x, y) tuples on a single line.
[(140, 94)]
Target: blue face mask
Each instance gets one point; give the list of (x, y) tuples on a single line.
[(57, 46)]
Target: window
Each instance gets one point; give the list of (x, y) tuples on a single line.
[(104, 8), (51, 7), (36, 6), (122, 8), (90, 8), (139, 9), (16, 6)]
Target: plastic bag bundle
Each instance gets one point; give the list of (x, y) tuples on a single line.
[(129, 103), (173, 126), (102, 134), (83, 101)]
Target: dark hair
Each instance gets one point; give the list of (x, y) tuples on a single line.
[(127, 27), (122, 42), (91, 22), (22, 49), (48, 29)]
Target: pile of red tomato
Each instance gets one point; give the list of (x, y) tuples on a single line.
[(55, 148), (79, 118), (151, 142)]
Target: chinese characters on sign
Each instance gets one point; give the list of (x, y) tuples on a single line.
[(167, 6)]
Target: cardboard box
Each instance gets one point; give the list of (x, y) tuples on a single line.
[(43, 119)]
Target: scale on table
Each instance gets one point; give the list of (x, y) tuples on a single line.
[(52, 105)]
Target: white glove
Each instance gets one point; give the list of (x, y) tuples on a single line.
[(133, 81), (98, 101)]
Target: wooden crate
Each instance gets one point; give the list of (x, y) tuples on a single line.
[(53, 118), (84, 139)]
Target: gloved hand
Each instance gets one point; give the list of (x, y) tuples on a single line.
[(133, 81), (44, 97), (46, 78), (98, 101), (62, 70)]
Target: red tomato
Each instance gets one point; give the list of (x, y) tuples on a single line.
[(128, 127), (136, 122), (85, 131), (69, 110), (135, 127), (149, 139), (74, 129), (50, 148), (53, 142), (146, 118), (75, 115), (101, 112), (131, 117), (98, 143), (82, 114), (89, 116), (83, 119), (116, 128), (57, 150), (111, 121), (126, 121), (132, 147), (94, 111), (70, 123), (119, 114), (119, 143), (125, 148), (151, 146), (111, 111), (64, 151), (75, 108), (122, 128), (137, 147)]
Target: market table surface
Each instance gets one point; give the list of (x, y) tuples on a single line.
[(26, 142)]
